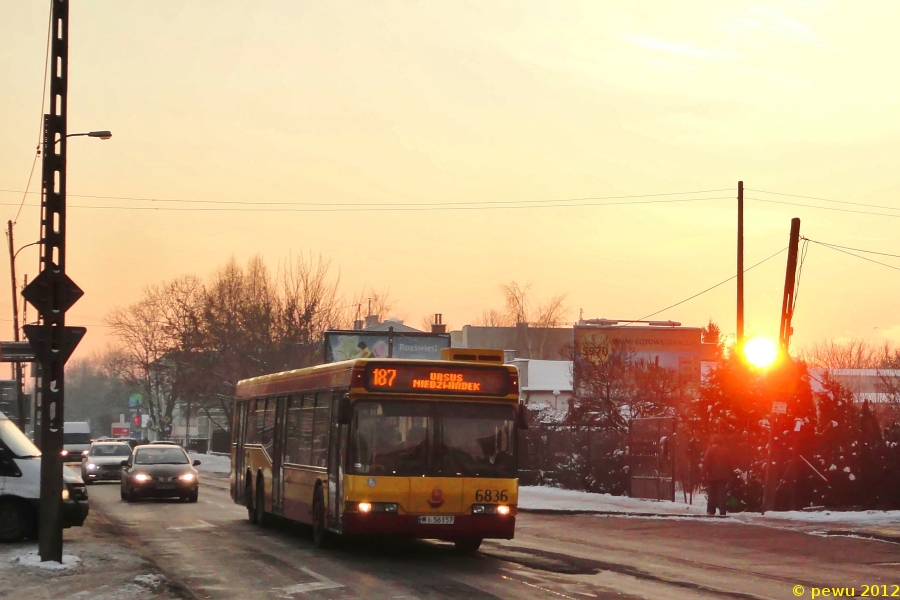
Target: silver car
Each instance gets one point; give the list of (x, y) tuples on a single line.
[(104, 461)]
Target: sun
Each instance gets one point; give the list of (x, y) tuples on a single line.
[(760, 352)]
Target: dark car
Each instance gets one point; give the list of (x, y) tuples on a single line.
[(104, 461), (159, 471), (130, 441)]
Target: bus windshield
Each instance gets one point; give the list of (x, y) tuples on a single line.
[(436, 439)]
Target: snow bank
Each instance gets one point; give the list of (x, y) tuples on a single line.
[(554, 499), (212, 463), (33, 559), (868, 517), (547, 498)]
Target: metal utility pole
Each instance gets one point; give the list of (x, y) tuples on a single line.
[(784, 340), (739, 335), (17, 366), (52, 293)]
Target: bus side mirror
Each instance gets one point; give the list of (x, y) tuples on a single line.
[(522, 417), (344, 411)]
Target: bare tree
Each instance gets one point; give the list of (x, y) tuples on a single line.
[(850, 354)]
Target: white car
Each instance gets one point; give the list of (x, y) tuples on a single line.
[(20, 487)]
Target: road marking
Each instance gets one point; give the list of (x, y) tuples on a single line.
[(199, 525), (321, 583)]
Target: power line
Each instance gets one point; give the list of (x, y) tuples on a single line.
[(856, 255), (37, 149), (397, 207), (826, 200), (846, 210), (331, 204), (856, 249), (711, 288)]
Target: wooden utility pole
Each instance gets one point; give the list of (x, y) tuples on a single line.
[(17, 366), (784, 340), (739, 332)]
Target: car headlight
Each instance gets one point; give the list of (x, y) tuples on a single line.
[(65, 494), (91, 466), (84, 453), (64, 453), (187, 477), (141, 477)]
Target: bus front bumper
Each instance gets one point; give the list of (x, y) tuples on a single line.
[(464, 526)]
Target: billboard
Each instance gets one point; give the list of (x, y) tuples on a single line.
[(346, 345), (677, 348)]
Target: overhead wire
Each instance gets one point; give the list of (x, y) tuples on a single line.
[(846, 210), (836, 249), (653, 314), (37, 152), (825, 199), (365, 204), (394, 207)]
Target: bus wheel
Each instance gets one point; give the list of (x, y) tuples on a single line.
[(261, 516), (16, 522), (320, 531), (468, 546), (248, 501)]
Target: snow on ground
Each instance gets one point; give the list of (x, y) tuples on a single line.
[(547, 498), (33, 559), (213, 463)]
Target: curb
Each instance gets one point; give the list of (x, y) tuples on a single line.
[(614, 513), (891, 539)]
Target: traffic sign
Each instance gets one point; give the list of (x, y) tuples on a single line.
[(779, 408), (41, 291), (39, 337)]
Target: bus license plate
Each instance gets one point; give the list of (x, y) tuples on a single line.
[(435, 520)]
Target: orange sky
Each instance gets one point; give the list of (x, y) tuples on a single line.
[(416, 103)]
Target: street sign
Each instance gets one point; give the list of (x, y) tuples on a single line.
[(39, 338), (16, 352), (134, 400), (121, 429), (41, 291), (779, 408)]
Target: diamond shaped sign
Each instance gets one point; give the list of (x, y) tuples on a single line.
[(39, 338), (40, 292)]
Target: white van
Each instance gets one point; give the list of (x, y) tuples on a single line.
[(20, 487), (76, 439)]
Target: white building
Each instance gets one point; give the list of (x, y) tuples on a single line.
[(545, 387)]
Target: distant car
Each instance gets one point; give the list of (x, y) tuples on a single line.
[(104, 461), (159, 471), (130, 441)]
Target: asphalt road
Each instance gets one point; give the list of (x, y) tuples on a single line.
[(209, 550)]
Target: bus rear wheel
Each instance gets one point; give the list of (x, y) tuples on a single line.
[(468, 546), (319, 526), (248, 502)]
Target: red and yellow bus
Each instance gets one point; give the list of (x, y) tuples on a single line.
[(407, 448)]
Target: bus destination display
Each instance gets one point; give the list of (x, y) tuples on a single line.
[(432, 379)]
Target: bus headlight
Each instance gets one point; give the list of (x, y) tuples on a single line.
[(378, 507), (491, 509)]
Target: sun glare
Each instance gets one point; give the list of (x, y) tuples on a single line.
[(760, 352)]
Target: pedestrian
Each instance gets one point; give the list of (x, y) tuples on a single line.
[(716, 472)]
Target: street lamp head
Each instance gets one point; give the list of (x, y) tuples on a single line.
[(103, 135)]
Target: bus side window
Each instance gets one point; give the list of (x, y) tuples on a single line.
[(251, 423), (322, 424), (292, 452), (306, 428), (268, 426)]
